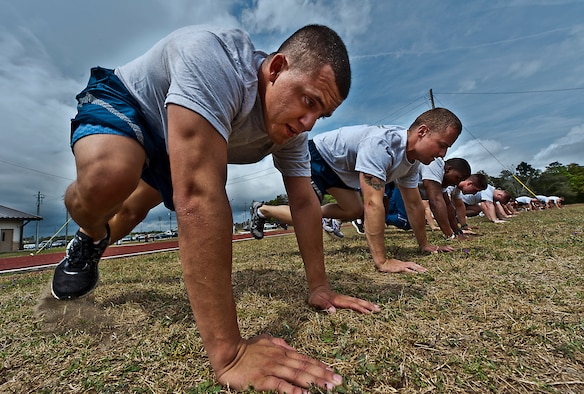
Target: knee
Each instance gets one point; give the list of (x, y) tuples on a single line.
[(101, 193), (131, 214), (355, 213)]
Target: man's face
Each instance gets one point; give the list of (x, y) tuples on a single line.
[(294, 100), (467, 187), (498, 196), (433, 144), (452, 178)]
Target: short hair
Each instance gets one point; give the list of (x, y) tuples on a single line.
[(479, 180), (505, 196), (314, 46), (459, 165), (438, 119)]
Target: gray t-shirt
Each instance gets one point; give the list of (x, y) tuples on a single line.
[(483, 195), (213, 72), (375, 150), (523, 199), (454, 192)]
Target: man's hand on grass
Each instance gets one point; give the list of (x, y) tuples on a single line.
[(437, 249), (324, 298), (395, 266), (267, 363)]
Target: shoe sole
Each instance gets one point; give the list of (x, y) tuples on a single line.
[(77, 297)]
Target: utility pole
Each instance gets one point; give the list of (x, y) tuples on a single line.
[(66, 225), (432, 99), (39, 201)]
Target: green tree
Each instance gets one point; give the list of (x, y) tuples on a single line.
[(281, 199), (576, 180), (506, 181), (526, 172), (553, 181)]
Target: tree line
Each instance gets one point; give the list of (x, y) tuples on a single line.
[(556, 180)]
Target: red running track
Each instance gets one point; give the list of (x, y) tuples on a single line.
[(46, 260)]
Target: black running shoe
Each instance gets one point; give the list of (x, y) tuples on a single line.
[(358, 224), (256, 225), (76, 275)]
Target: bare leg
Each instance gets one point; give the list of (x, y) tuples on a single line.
[(133, 210), (348, 207), (108, 171)]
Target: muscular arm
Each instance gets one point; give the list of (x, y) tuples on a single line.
[(372, 189), (489, 209), (451, 212), (460, 209), (439, 207), (306, 214), (198, 161), (415, 210)]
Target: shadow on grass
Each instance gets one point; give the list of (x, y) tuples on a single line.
[(104, 315)]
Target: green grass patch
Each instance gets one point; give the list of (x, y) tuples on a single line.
[(504, 313)]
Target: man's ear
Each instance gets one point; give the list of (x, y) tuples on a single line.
[(278, 63), (423, 130)]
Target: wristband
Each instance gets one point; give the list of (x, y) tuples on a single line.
[(448, 238), (460, 232)]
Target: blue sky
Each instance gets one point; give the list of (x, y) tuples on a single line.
[(512, 70)]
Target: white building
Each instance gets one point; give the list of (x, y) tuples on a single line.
[(12, 224)]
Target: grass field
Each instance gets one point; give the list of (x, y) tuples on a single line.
[(502, 314)]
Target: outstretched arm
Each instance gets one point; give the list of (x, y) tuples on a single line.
[(490, 212), (372, 189), (198, 161), (439, 207), (415, 210), (306, 214)]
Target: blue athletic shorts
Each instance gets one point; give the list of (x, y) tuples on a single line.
[(105, 106), (322, 176)]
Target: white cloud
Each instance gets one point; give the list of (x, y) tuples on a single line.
[(347, 17), (488, 155), (567, 149), (524, 69), (399, 50)]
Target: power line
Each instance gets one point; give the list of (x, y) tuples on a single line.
[(513, 92), (398, 110), (249, 177), (33, 170), (499, 161)]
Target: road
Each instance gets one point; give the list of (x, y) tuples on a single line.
[(29, 262)]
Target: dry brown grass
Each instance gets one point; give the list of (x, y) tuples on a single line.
[(503, 314)]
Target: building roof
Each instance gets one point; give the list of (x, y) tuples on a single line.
[(9, 213)]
